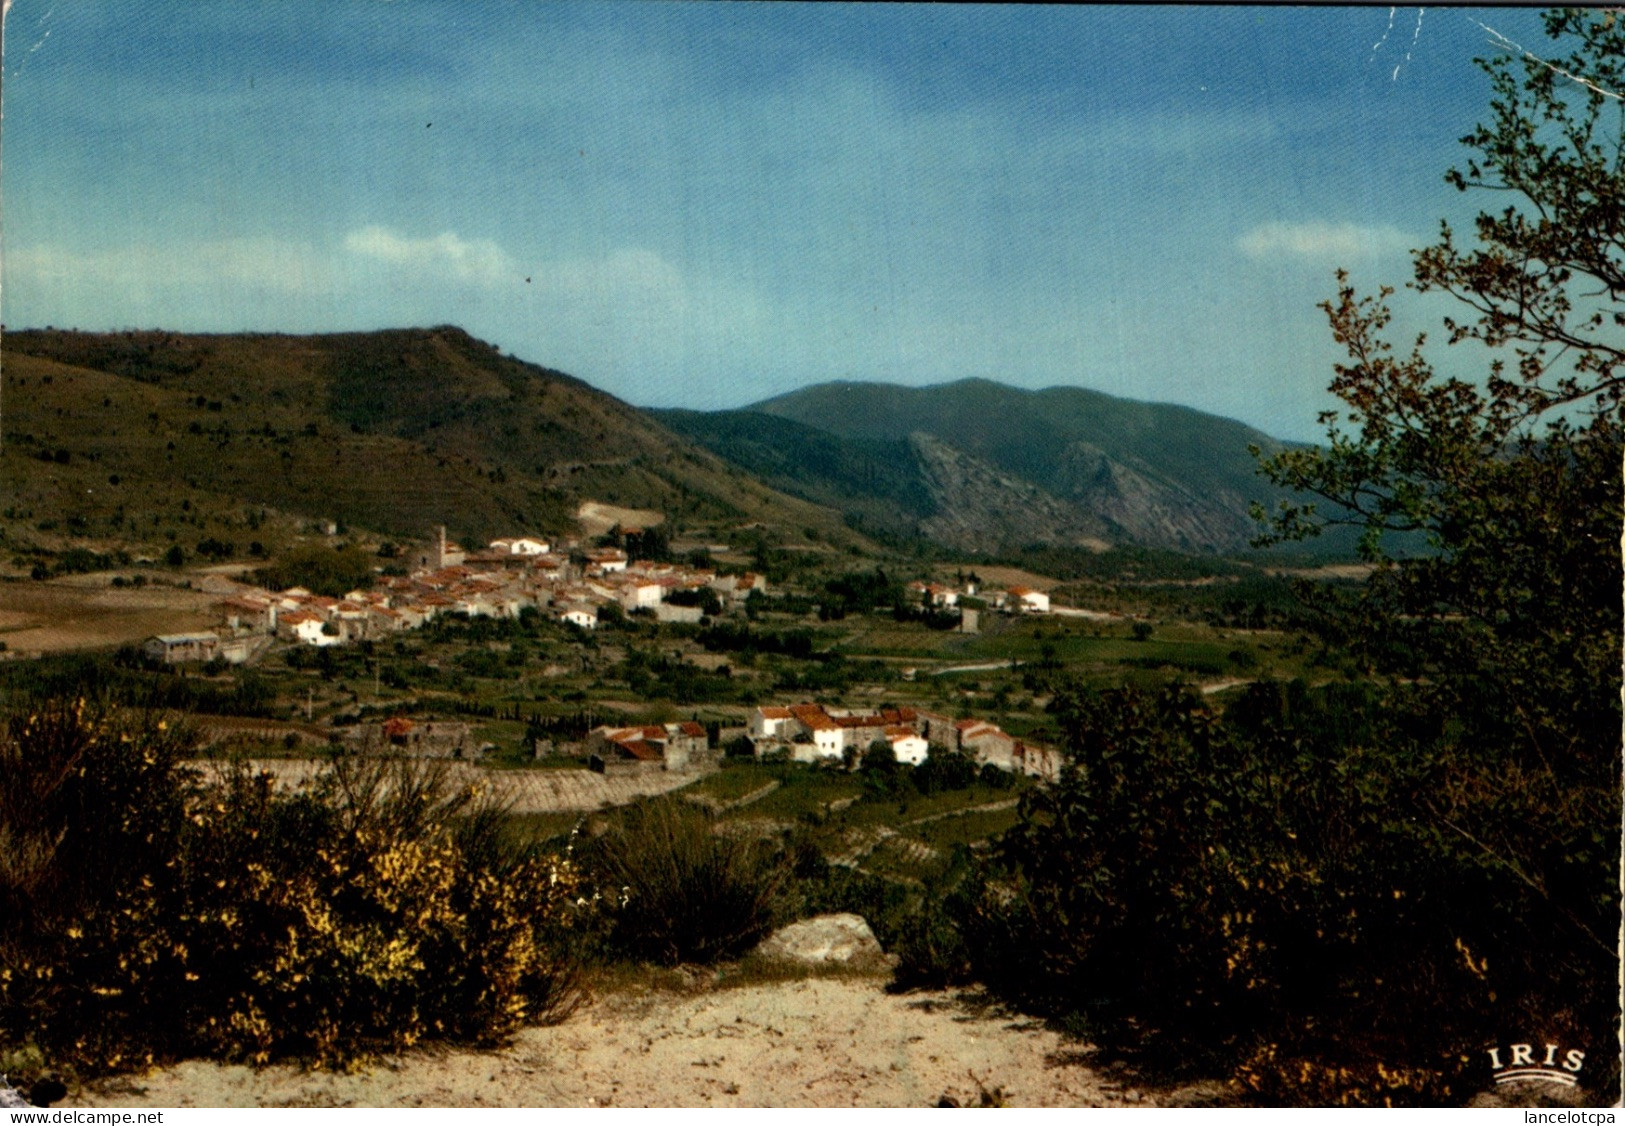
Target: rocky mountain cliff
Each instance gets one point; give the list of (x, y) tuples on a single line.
[(980, 466)]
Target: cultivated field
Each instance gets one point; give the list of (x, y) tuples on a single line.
[(523, 791), (71, 613)]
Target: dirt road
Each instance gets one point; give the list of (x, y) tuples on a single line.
[(819, 1042)]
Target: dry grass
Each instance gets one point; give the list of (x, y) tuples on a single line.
[(55, 616), (596, 518), (996, 577)]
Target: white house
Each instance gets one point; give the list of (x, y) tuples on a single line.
[(907, 745), (771, 723), (641, 594), (523, 545), (607, 560), (306, 626), (583, 614), (1029, 601), (816, 733)]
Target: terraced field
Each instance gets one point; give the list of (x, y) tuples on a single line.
[(525, 791)]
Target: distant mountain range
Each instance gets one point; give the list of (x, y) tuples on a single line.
[(978, 465)]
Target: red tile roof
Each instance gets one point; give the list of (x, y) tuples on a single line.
[(640, 750), (814, 717)]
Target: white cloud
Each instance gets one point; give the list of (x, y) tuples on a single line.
[(478, 261), (256, 263), (1322, 241)]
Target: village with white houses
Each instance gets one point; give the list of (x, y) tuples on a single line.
[(575, 586), (502, 580), (817, 733)]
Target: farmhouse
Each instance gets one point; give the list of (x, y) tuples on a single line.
[(813, 732), (1026, 600), (434, 738), (174, 648), (306, 626), (986, 743), (737, 588), (818, 736), (250, 610), (1038, 762), (672, 746), (770, 723)]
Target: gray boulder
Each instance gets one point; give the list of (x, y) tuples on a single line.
[(823, 940)]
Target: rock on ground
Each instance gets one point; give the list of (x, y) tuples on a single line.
[(822, 939)]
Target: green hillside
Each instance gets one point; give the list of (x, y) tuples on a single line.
[(1034, 433), (1154, 473), (877, 480), (142, 437)]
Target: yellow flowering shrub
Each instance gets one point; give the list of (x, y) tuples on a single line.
[(1272, 1076), (164, 916)]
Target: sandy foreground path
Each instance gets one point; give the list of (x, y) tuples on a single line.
[(824, 1042)]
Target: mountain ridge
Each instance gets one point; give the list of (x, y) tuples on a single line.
[(1088, 467)]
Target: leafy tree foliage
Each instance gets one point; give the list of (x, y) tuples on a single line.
[(1348, 893), (1508, 628), (332, 572)]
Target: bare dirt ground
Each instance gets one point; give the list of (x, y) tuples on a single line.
[(596, 518), (1330, 571), (523, 791), (83, 611), (996, 577), (817, 1042)]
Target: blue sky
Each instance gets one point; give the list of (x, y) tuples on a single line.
[(703, 205)]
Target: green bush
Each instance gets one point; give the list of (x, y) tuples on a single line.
[(1282, 892), (153, 914), (686, 893)]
